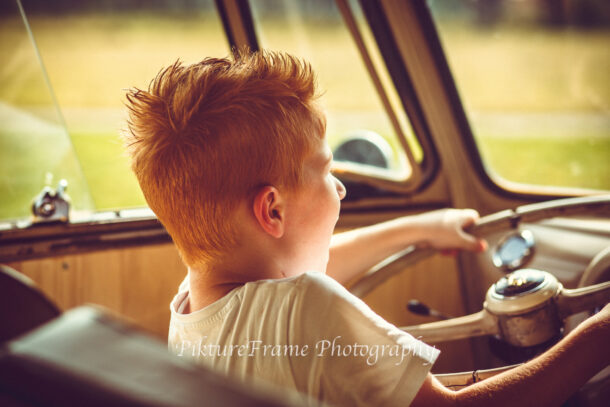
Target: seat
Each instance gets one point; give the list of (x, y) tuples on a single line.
[(22, 305), (89, 357)]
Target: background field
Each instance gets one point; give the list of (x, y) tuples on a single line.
[(538, 101)]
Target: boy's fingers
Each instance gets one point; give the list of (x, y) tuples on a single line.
[(455, 221), (470, 216), (472, 243), (469, 241)]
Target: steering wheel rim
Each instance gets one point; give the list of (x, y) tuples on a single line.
[(503, 220)]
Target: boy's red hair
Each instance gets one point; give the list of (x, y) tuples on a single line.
[(206, 136)]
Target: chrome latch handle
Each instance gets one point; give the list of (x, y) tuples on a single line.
[(52, 205)]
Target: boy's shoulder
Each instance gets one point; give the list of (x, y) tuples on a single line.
[(296, 291), (308, 286), (307, 298), (314, 281)]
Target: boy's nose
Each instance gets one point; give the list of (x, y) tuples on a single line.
[(341, 191)]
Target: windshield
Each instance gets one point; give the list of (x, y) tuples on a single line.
[(534, 81)]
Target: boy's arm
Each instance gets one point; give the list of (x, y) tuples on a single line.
[(353, 253), (547, 380)]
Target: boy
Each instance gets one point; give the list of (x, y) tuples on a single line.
[(231, 156)]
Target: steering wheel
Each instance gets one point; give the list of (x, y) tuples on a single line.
[(524, 308)]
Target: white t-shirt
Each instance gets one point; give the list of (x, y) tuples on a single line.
[(307, 333)]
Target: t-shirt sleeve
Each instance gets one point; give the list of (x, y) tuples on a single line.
[(359, 358)]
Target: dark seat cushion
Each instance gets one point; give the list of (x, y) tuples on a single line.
[(22, 306)]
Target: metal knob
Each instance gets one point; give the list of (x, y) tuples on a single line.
[(51, 205)]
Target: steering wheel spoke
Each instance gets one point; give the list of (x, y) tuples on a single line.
[(571, 302), (478, 324)]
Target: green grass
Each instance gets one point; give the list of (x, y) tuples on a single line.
[(31, 149), (562, 162), (506, 76), (107, 168)]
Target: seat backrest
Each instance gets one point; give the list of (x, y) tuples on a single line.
[(22, 305), (89, 357)]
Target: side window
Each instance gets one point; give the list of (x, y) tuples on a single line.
[(534, 81), (367, 127), (34, 142), (61, 97)]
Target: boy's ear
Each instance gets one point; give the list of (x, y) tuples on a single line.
[(269, 210)]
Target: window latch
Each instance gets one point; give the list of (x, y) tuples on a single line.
[(52, 205)]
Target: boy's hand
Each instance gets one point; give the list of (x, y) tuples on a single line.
[(445, 230)]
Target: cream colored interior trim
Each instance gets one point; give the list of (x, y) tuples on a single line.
[(429, 88), (380, 178), (350, 22), (236, 23), (434, 195), (466, 188)]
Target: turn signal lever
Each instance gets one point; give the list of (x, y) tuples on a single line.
[(420, 308)]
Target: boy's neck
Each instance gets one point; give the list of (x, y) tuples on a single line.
[(209, 284), (202, 294)]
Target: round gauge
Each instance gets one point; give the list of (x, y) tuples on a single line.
[(514, 251), (364, 147)]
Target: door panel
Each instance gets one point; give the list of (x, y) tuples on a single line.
[(136, 283)]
